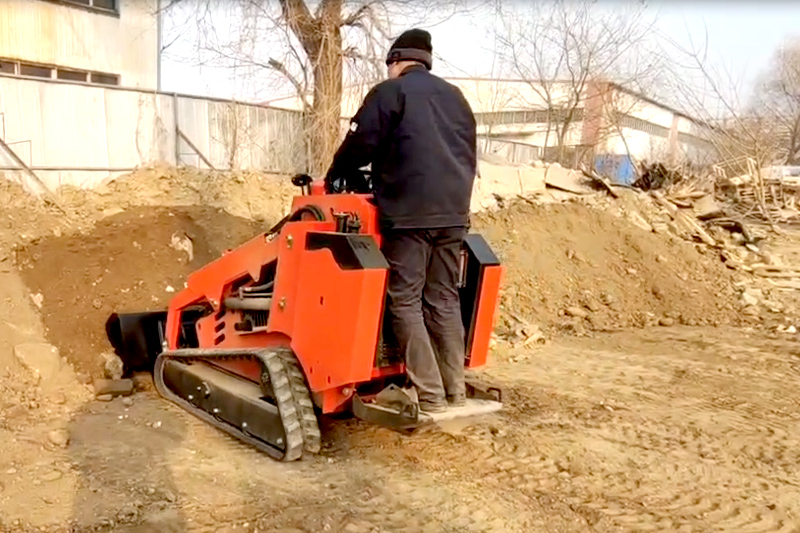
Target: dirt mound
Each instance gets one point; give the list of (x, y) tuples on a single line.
[(571, 266), (253, 195), (133, 260), (24, 217)]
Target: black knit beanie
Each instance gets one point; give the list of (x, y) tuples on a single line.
[(412, 45)]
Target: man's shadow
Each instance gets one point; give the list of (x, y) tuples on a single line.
[(125, 482)]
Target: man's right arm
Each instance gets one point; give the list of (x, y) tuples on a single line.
[(374, 122)]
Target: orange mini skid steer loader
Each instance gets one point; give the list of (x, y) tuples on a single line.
[(290, 325)]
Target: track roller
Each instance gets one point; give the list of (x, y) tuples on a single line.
[(276, 415)]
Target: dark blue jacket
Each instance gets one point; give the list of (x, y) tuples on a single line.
[(418, 132)]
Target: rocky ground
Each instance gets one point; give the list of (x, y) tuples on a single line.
[(649, 384)]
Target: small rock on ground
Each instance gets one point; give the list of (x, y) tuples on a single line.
[(58, 398), (40, 358), (143, 381), (577, 312), (113, 387), (112, 366), (52, 476), (59, 437)]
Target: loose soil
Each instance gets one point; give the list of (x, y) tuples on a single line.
[(659, 429), (257, 196), (131, 261), (617, 275), (263, 198), (24, 217)]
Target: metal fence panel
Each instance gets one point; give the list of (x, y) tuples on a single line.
[(81, 134)]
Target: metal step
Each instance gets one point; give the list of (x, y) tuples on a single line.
[(473, 407)]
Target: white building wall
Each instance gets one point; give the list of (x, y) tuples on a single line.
[(541, 137), (686, 126), (628, 141), (631, 105), (533, 134), (487, 95), (49, 33)]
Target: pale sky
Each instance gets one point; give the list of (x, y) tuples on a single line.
[(742, 36)]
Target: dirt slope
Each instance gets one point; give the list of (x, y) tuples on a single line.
[(24, 217), (571, 267), (131, 261)]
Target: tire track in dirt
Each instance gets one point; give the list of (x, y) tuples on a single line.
[(693, 497), (458, 461), (589, 440), (356, 496), (747, 431), (633, 443), (696, 464)]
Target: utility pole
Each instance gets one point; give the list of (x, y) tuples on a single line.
[(159, 32)]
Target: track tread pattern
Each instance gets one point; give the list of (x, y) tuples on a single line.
[(309, 424), (285, 389)]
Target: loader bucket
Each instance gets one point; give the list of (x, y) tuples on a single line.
[(137, 338)]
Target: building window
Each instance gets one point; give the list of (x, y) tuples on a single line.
[(12, 67), (105, 79), (532, 116), (635, 123), (109, 6), (71, 75), (38, 71), (8, 67)]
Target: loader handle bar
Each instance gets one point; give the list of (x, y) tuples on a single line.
[(359, 183)]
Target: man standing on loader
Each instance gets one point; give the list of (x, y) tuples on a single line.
[(418, 133)]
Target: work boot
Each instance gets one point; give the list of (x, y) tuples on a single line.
[(457, 400), (427, 406)]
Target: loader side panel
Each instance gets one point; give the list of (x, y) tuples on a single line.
[(330, 299), (479, 295)]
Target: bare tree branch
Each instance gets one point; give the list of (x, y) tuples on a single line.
[(356, 16), (561, 49)]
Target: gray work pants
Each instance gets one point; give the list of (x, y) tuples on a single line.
[(424, 308)]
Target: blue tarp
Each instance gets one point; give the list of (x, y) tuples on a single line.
[(618, 168)]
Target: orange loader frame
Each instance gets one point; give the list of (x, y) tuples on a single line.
[(328, 296)]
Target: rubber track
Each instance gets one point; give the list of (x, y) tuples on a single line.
[(309, 424), (285, 390)]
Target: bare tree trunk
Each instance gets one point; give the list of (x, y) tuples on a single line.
[(793, 156), (326, 109), (321, 38), (313, 47)]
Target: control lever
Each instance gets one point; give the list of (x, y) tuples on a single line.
[(341, 221), (346, 222), (304, 182)]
